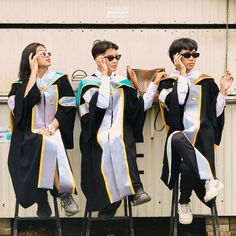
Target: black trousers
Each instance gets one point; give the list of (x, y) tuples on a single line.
[(133, 168), (189, 179)]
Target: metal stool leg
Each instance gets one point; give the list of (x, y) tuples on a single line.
[(126, 199), (85, 221), (215, 220), (88, 225), (176, 209), (173, 229), (131, 223), (15, 224), (57, 218)]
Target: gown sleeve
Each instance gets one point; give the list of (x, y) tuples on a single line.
[(217, 122), (65, 114), (23, 105), (134, 112)]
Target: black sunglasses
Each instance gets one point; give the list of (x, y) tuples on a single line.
[(111, 58), (189, 54)]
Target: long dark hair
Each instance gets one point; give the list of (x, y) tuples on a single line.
[(24, 71)]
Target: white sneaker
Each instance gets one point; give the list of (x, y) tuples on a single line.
[(213, 187), (185, 214)]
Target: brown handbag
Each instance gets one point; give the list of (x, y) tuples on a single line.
[(141, 78)]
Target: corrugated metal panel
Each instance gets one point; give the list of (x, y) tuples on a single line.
[(232, 11), (146, 48), (116, 11), (139, 48)]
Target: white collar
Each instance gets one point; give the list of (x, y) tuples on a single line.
[(99, 74), (193, 74)]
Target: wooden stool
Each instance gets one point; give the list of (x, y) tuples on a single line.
[(56, 218), (127, 216), (173, 229)]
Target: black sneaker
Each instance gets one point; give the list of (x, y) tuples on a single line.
[(140, 197), (109, 211), (44, 209)]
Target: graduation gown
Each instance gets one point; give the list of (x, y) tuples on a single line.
[(33, 157), (108, 140), (197, 120)]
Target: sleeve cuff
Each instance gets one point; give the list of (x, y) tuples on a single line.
[(164, 93), (152, 88), (221, 97)]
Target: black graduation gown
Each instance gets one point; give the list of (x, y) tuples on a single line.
[(209, 132), (25, 147), (92, 180)]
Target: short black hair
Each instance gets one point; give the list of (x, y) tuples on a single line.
[(100, 47), (182, 43)]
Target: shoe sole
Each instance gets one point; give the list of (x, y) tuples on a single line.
[(141, 200), (185, 223), (72, 213), (44, 216), (210, 197)]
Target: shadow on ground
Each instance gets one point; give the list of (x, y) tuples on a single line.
[(147, 226)]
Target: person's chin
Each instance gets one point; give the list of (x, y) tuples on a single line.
[(190, 68), (114, 68)]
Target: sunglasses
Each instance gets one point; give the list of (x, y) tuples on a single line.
[(111, 58), (45, 54), (188, 54)]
